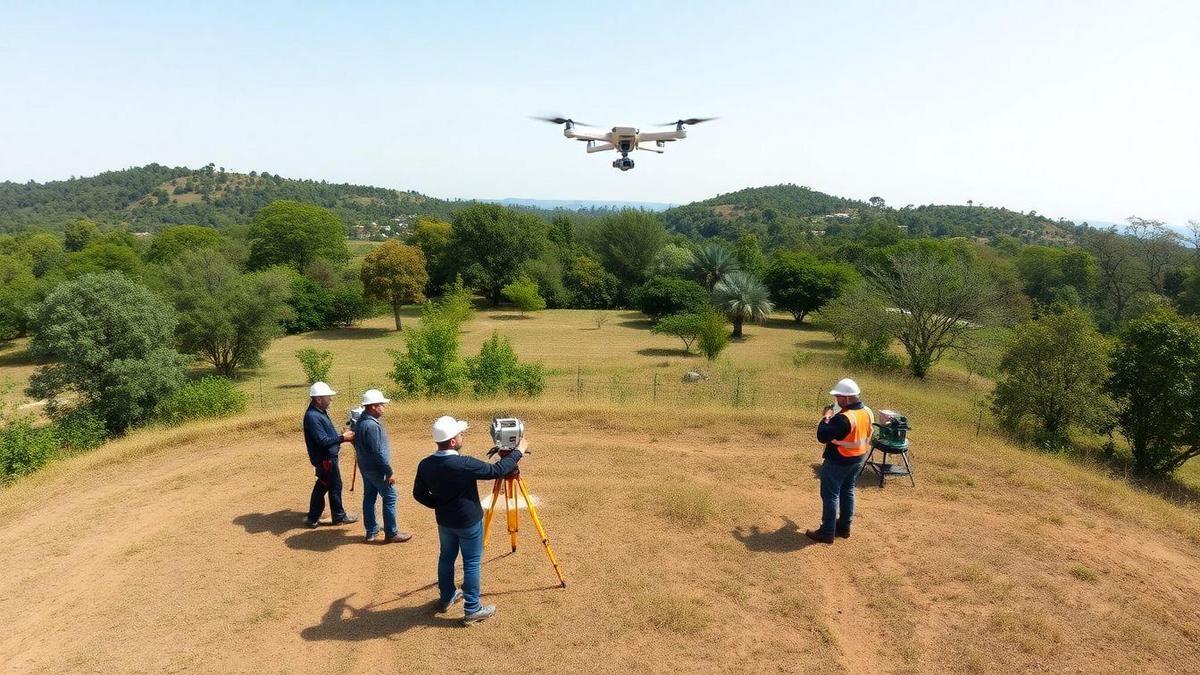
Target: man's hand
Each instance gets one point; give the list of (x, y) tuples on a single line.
[(523, 446), (827, 414), (347, 436), (391, 480)]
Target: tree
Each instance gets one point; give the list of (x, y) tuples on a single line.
[(18, 292), (1121, 275), (498, 371), (935, 304), (172, 241), (1156, 245), (226, 317), (742, 297), (714, 332), (590, 285), (1156, 385), (395, 273), (671, 260), (686, 327), (523, 293), (294, 234), (430, 365), (490, 243), (669, 295), (45, 252), (101, 258), (316, 364), (106, 341), (434, 238), (627, 244), (1052, 378), (79, 234), (711, 263), (749, 255), (800, 283)]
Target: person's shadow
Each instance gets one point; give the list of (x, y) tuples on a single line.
[(344, 621), (277, 523), (787, 538), (324, 539)]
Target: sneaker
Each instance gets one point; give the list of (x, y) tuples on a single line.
[(371, 536), (817, 536), (445, 606), (346, 520), (398, 538), (484, 612)]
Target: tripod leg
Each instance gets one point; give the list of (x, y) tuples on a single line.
[(510, 507), (487, 518), (537, 523)]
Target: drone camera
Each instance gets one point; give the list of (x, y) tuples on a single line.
[(623, 164)]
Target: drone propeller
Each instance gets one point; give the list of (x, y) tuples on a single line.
[(561, 120), (689, 121)]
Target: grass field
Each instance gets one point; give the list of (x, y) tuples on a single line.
[(676, 510)]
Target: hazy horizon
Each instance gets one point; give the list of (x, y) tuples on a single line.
[(1079, 110)]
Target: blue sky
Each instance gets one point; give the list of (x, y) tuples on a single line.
[(1073, 109)]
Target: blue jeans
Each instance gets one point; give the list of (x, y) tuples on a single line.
[(470, 541), (837, 484), (375, 485)]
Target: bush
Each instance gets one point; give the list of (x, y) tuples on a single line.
[(686, 327), (714, 334), (430, 365), (872, 354), (23, 448), (663, 296), (79, 429), (496, 370), (316, 363), (208, 397), (524, 294), (456, 305)]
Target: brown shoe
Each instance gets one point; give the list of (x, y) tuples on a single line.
[(844, 534), (817, 536), (398, 538)]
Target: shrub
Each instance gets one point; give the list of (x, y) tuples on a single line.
[(714, 336), (430, 365), (663, 296), (686, 327), (316, 363), (24, 448), (207, 397), (872, 353), (79, 429), (524, 294), (456, 305), (496, 370)]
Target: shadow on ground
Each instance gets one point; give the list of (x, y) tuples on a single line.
[(637, 323), (325, 539), (16, 357), (355, 333), (657, 351), (509, 317), (277, 523), (787, 538), (343, 621)]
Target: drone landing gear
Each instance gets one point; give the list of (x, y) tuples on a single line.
[(624, 163)]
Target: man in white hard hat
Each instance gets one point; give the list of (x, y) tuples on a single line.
[(375, 464), (446, 483), (846, 433), (323, 442)]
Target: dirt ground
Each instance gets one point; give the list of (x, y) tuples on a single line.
[(680, 534)]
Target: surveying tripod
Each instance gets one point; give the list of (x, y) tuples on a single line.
[(510, 483)]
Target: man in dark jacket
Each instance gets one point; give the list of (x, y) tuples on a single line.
[(446, 483), (375, 463), (323, 442), (846, 434)]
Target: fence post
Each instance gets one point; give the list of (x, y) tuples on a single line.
[(654, 397), (737, 391), (979, 420), (262, 402), (578, 381)]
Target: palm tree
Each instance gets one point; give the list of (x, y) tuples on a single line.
[(711, 263), (742, 297)]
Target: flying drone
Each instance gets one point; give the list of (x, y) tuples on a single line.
[(625, 139)]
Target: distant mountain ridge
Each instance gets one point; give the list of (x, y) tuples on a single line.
[(580, 204)]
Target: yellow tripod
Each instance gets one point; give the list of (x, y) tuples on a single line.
[(510, 483)]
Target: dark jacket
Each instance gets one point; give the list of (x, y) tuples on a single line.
[(322, 439), (446, 484), (371, 447), (836, 429)]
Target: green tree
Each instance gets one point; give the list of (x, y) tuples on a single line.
[(101, 258), (800, 283), (434, 238), (523, 293), (671, 260), (590, 285), (498, 371), (45, 252), (18, 293), (226, 317), (491, 242), (316, 363), (686, 327), (430, 366), (395, 273), (711, 263), (79, 234), (714, 332), (1052, 378), (172, 241), (1156, 385), (294, 234), (662, 296), (743, 298), (749, 255), (627, 244), (105, 340)]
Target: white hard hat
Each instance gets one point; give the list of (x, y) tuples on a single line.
[(846, 387), (373, 396), (320, 389), (446, 427)]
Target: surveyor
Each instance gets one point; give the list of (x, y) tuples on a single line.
[(375, 463), (324, 442), (446, 483), (846, 434)]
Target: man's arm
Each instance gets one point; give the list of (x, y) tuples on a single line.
[(833, 429), (322, 430), (483, 471), (375, 445), (421, 491)]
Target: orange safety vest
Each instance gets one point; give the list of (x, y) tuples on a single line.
[(856, 442)]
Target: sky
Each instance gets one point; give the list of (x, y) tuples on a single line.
[(1082, 110)]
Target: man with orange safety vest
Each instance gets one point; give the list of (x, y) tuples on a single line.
[(846, 434)]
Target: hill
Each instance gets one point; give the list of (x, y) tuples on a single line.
[(677, 514)]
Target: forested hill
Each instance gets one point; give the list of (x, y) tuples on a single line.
[(780, 213), (152, 196)]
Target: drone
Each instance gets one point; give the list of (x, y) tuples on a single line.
[(625, 139)]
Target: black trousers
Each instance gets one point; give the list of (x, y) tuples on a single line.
[(329, 481)]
